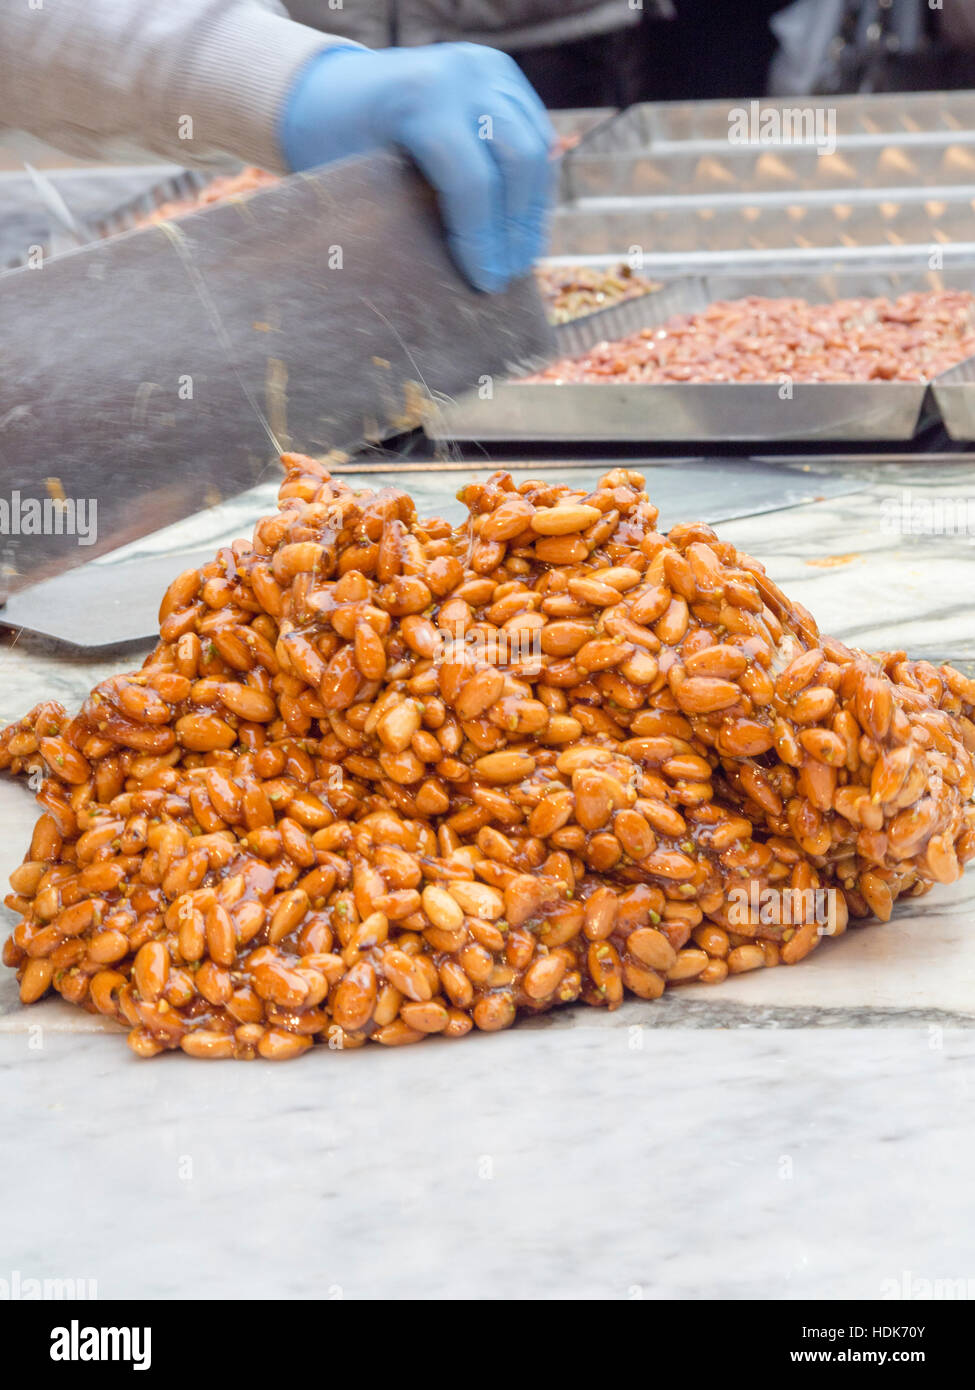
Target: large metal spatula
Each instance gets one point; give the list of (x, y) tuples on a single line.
[(160, 371)]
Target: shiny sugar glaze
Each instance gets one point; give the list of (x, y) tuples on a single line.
[(383, 779)]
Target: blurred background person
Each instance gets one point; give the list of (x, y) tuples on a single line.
[(873, 46), (574, 52)]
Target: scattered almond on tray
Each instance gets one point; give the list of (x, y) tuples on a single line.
[(912, 338)]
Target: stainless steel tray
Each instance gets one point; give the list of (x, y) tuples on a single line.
[(796, 171), (682, 235), (187, 183), (580, 122), (694, 412), (708, 411), (954, 396), (90, 194), (910, 117)]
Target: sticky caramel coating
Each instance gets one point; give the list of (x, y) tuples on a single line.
[(383, 778)]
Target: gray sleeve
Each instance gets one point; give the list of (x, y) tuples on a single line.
[(189, 80)]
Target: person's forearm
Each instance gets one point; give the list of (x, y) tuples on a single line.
[(184, 79)]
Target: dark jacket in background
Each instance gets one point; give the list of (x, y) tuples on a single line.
[(508, 24), (574, 52)]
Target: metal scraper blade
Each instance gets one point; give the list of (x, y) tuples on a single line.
[(161, 371), (101, 606), (116, 602)]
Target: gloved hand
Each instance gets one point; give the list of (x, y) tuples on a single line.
[(470, 120)]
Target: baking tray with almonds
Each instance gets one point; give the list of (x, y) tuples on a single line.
[(705, 411)]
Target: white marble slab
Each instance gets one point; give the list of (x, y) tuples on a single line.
[(541, 1163), (892, 589)]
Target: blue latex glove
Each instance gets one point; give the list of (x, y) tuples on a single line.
[(494, 176)]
